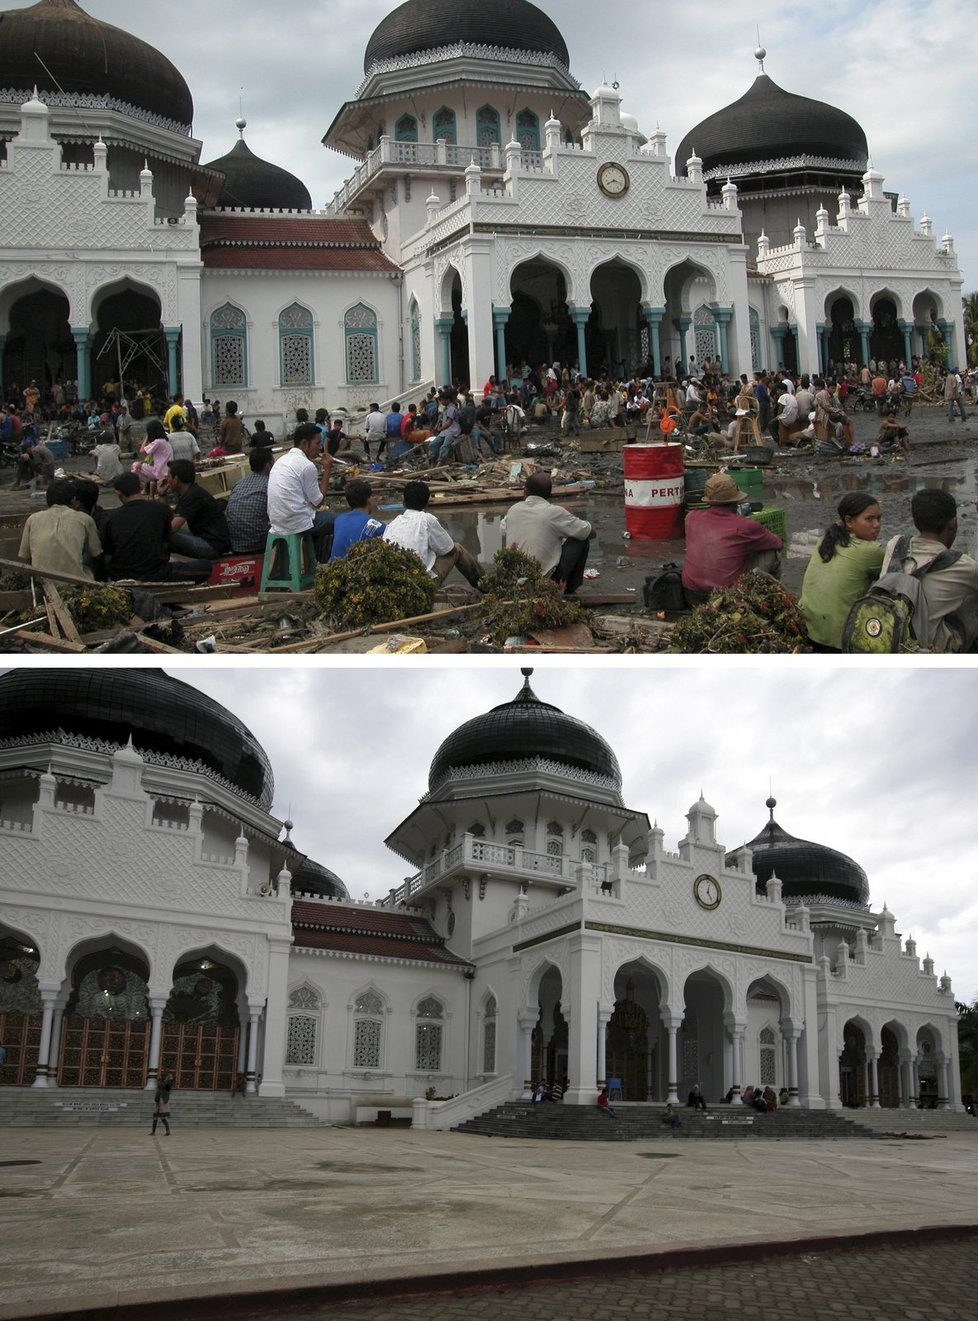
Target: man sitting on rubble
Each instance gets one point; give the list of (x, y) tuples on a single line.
[(199, 527), (722, 545), (556, 538), (136, 539), (421, 532), (61, 538), (951, 594)]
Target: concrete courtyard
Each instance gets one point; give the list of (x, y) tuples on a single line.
[(112, 1218)]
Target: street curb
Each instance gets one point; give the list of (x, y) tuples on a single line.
[(254, 1301)]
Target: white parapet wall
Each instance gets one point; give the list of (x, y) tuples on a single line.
[(443, 1115)]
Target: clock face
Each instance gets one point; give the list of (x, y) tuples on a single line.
[(613, 180), (707, 892)]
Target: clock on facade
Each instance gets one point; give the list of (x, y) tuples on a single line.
[(613, 180), (706, 892)]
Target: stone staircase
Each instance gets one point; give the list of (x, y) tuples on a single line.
[(81, 1107), (644, 1123), (928, 1122)]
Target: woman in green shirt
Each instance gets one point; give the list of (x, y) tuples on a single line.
[(848, 560)]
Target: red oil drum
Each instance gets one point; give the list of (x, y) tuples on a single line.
[(654, 492)]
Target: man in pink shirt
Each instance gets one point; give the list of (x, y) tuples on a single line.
[(722, 545)]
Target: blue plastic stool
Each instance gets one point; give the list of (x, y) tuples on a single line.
[(298, 551), (615, 1092)]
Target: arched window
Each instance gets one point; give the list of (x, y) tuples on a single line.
[(406, 129), (487, 127), (368, 1024), (415, 319), (769, 1074), (755, 340), (477, 830), (303, 1027), (360, 329), (555, 843), (428, 1033), (514, 834), (705, 328), (489, 1035), (229, 346), (528, 130), (589, 846), (295, 327), (443, 125)]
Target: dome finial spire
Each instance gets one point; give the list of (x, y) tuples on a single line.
[(760, 54)]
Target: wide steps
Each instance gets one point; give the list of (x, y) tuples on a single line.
[(82, 1107), (643, 1123), (913, 1121)]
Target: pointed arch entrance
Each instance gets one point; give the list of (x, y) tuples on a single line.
[(129, 342), (201, 1023), (700, 1045), (106, 1030), (20, 1009), (540, 329), (633, 1051), (37, 341), (844, 343), (853, 1091), (886, 337), (614, 333), (549, 1040)]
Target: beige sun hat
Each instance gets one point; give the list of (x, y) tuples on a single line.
[(721, 489)]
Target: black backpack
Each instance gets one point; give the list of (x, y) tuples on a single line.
[(663, 590), (893, 612)]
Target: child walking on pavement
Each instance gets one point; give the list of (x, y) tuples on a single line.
[(162, 1111)]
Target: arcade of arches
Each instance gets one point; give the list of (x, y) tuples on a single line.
[(104, 1028), (38, 342), (635, 1050)]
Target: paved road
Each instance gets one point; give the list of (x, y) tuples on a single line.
[(936, 1282)]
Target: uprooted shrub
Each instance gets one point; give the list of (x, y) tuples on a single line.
[(518, 598), (375, 582)]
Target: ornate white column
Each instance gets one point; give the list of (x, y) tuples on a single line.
[(736, 1030), (276, 1016), (55, 1049), (254, 1016), (943, 1097), (524, 1054), (672, 1024), (915, 1083), (604, 1017), (157, 1003), (794, 1035), (48, 999), (907, 1101), (872, 1081)]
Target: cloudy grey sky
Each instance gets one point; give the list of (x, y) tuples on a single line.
[(880, 763), (903, 68)]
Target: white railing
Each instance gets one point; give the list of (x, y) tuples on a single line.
[(415, 155), (473, 852), (443, 1115)]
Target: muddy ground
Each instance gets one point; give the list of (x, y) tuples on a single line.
[(806, 486)]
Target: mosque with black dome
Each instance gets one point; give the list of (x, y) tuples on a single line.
[(496, 212), (156, 917)]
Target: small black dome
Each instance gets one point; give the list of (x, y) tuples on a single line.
[(312, 878), (255, 184), (525, 727), (82, 55), (161, 713), (769, 125), (427, 24), (805, 870)]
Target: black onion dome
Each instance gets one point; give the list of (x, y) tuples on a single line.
[(84, 56), (805, 870), (161, 713), (422, 25), (255, 184), (770, 125), (523, 728), (313, 878)]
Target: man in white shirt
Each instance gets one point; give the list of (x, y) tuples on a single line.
[(787, 422), (556, 539), (375, 429), (951, 593), (296, 491), (422, 533)]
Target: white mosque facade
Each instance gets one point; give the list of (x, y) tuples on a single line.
[(155, 916), (495, 213)]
